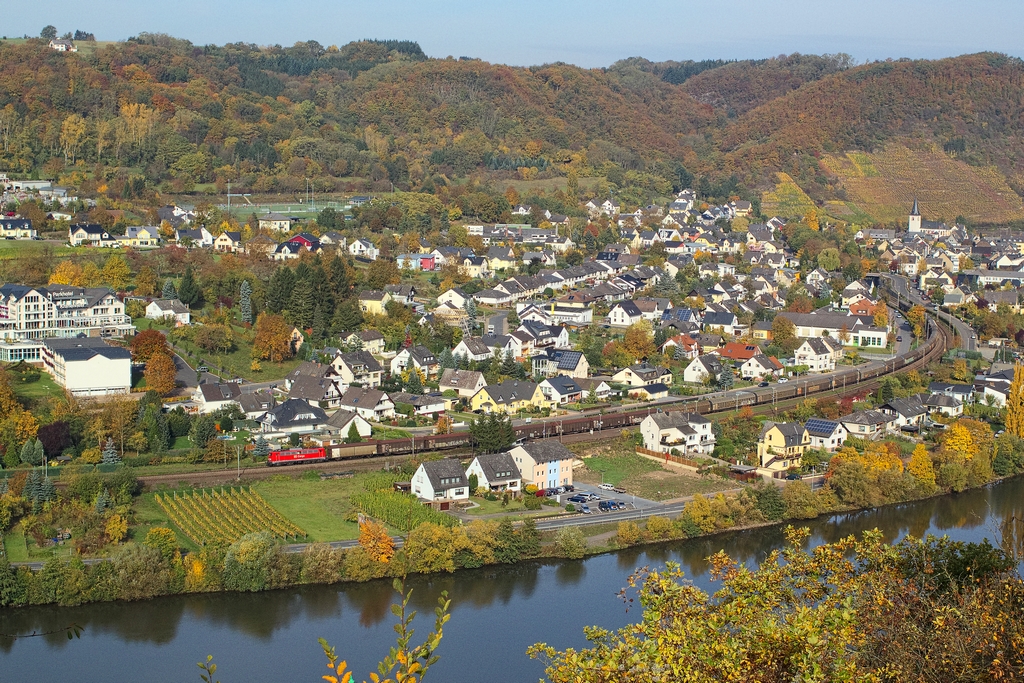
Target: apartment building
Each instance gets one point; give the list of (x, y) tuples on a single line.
[(61, 311)]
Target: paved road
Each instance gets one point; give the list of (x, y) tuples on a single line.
[(968, 337)]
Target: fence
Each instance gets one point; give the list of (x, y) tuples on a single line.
[(678, 459)]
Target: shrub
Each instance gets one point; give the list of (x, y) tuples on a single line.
[(659, 527), (139, 572), (531, 502), (569, 507), (248, 561), (570, 542), (628, 534)]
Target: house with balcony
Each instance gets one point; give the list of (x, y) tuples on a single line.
[(686, 433), (358, 367), (496, 472), (545, 463), (440, 480), (781, 445)]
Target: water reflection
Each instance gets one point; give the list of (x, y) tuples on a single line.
[(249, 632)]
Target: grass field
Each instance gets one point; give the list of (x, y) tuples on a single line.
[(14, 249), (615, 462), (44, 387), (319, 507), (884, 184)]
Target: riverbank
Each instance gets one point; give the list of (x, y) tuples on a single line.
[(257, 563), (498, 611)]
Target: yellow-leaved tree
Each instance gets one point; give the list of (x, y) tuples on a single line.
[(374, 539), (67, 273), (959, 445), (639, 340), (921, 468), (1015, 403)]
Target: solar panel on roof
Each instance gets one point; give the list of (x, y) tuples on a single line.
[(820, 426)]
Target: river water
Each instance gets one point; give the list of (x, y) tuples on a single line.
[(496, 612)]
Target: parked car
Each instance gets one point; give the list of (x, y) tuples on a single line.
[(585, 509), (569, 487), (783, 380), (899, 338), (592, 496), (551, 492), (202, 368), (619, 489), (578, 498), (606, 487), (605, 506), (541, 493)]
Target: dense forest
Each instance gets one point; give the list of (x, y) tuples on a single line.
[(158, 114)]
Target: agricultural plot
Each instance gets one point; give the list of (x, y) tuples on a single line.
[(786, 200), (884, 184), (215, 515), (399, 510)]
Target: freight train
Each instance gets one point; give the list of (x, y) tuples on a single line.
[(596, 422)]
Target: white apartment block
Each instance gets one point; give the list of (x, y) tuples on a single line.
[(88, 366), (61, 311)]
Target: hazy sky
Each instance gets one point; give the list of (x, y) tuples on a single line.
[(592, 33)]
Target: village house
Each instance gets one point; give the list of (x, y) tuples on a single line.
[(256, 403), (229, 241), (340, 424), (643, 374), (293, 416), (907, 413), (819, 354), (169, 309), (324, 392), (551, 362), (373, 301), (782, 445), (511, 396), (419, 357), (276, 222), (465, 383), (866, 424), (140, 236), (703, 369), (761, 366), (828, 435), (370, 404), (545, 463), (596, 387), (560, 390), (371, 341), (440, 480), (210, 398), (624, 314), (944, 405), (363, 249), (89, 233), (496, 472), (686, 433)]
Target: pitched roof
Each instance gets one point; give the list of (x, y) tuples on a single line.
[(510, 390), (365, 359), (498, 467), (460, 379), (295, 413), (547, 450), (792, 432), (821, 428), (562, 385), (674, 420), (220, 392), (449, 468), (362, 397)]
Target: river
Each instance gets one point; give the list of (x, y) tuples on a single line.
[(496, 612)]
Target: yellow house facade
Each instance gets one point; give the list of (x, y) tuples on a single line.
[(374, 301), (510, 396), (782, 445)]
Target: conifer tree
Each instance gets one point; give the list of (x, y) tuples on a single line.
[(169, 291), (353, 434), (415, 383), (47, 491), (110, 456), (32, 452), (262, 448), (447, 360), (245, 302), (509, 366), (188, 290), (470, 307), (102, 501)]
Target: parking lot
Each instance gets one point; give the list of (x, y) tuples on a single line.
[(597, 495)]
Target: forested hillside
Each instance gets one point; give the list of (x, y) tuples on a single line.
[(157, 114)]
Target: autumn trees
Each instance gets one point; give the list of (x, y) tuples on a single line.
[(273, 338)]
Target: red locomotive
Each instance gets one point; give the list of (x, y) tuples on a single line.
[(293, 456)]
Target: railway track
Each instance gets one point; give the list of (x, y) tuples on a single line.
[(937, 343)]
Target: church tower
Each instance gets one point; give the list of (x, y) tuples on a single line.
[(914, 222)]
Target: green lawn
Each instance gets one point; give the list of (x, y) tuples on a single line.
[(319, 507), (491, 507), (44, 387), (12, 249), (617, 468), (15, 547), (148, 514)]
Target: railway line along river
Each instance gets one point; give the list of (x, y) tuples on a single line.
[(496, 612)]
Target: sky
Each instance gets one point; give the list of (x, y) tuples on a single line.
[(591, 33)]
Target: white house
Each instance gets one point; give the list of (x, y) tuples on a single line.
[(212, 397), (340, 423), (561, 390), (643, 374), (363, 249), (907, 413), (760, 366), (160, 309), (687, 433), (817, 353), (440, 480), (463, 382), (293, 416), (419, 357), (944, 405), (496, 471), (826, 434), (702, 368), (455, 297), (624, 314), (370, 404), (88, 366)]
